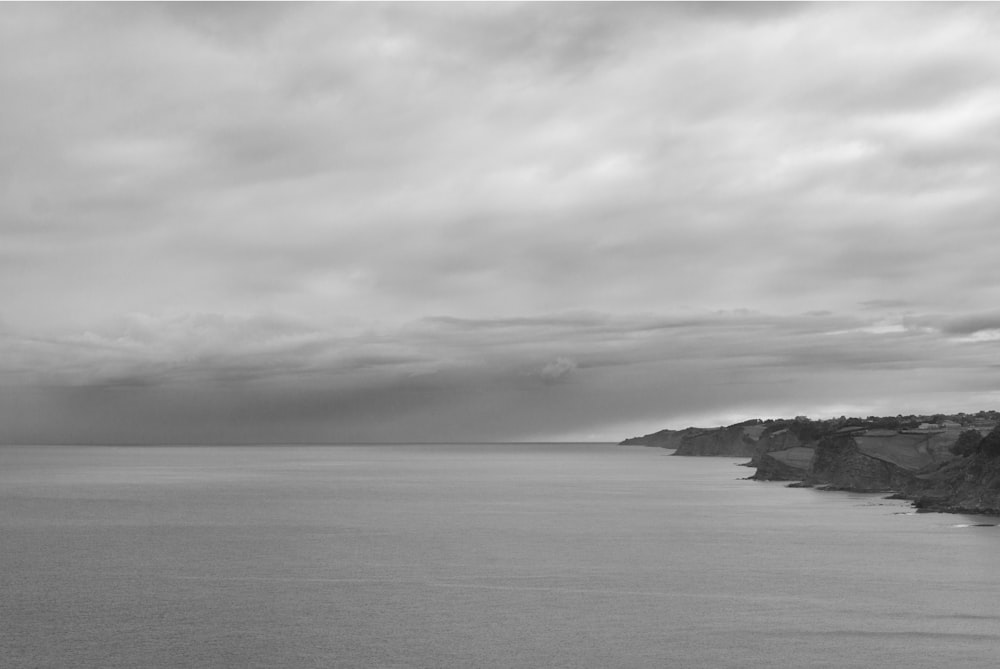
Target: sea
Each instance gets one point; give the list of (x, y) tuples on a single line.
[(464, 556)]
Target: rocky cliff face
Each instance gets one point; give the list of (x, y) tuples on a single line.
[(965, 484), (840, 463), (779, 436), (943, 463), (662, 439), (733, 441), (861, 460), (918, 465), (790, 464)]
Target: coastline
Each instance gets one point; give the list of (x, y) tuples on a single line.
[(943, 464)]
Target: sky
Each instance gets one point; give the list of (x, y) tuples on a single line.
[(368, 222)]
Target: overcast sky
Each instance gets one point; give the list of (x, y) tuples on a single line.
[(418, 222)]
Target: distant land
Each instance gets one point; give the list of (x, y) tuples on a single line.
[(948, 463)]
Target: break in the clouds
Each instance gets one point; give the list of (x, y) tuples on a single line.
[(492, 221)]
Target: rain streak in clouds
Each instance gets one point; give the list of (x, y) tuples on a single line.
[(382, 222)]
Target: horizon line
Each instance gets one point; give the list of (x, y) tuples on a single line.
[(308, 443)]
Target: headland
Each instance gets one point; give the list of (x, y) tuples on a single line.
[(948, 463)]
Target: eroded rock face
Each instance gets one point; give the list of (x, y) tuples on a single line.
[(916, 464), (662, 439), (840, 463), (969, 484), (918, 459), (791, 464), (734, 441), (774, 440)]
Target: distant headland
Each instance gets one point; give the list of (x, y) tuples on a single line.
[(948, 463)]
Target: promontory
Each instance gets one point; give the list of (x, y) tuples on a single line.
[(940, 462)]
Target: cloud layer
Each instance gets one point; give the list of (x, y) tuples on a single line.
[(327, 222)]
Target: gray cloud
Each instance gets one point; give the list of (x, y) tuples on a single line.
[(447, 378), (557, 370), (968, 324), (411, 219)]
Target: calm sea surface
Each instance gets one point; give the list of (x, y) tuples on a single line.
[(438, 557)]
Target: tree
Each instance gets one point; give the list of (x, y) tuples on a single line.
[(990, 445), (967, 443)]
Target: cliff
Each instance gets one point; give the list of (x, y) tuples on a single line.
[(733, 441), (939, 469), (859, 459), (663, 438), (871, 461), (969, 483), (738, 440), (779, 439), (942, 463), (790, 464)]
